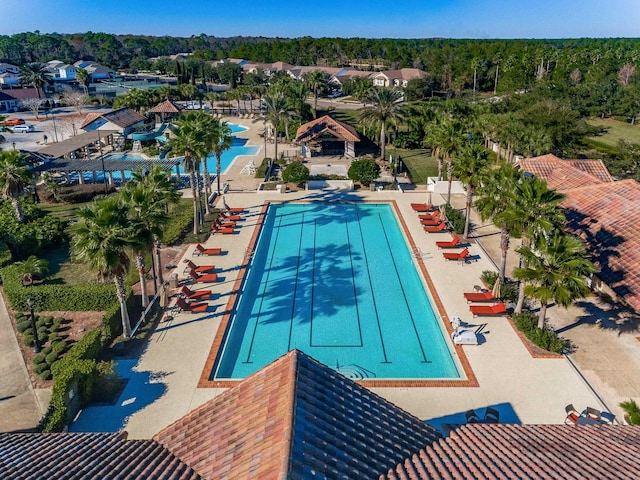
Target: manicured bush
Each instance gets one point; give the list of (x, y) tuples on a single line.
[(54, 337), (545, 338), (180, 221), (489, 277), (455, 219), (5, 254), (261, 171), (52, 357), (22, 326), (46, 375), (296, 173), (364, 171), (40, 367), (54, 328), (43, 333), (48, 320), (39, 358), (60, 346), (27, 340), (21, 317), (46, 351), (58, 321)]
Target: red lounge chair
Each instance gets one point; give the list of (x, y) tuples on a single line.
[(429, 216), (497, 309), (200, 250), (456, 255), (422, 207), (234, 210), (192, 307), (231, 218), (204, 278), (431, 223), (572, 415), (221, 224), (479, 296), (224, 231), (194, 294), (437, 228), (450, 244), (198, 268)]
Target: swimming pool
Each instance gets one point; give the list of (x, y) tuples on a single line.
[(338, 282)]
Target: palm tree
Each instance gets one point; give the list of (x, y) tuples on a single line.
[(496, 202), (221, 141), (14, 176), (557, 270), (34, 74), (537, 214), (383, 112), (102, 236), (278, 112), (32, 266), (446, 136), (317, 82), (188, 139), (84, 79), (471, 167)]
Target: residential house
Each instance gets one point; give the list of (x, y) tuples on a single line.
[(95, 70), (9, 74), (124, 120), (605, 213), (12, 100), (396, 78), (298, 419)]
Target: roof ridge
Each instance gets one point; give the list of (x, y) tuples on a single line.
[(287, 441)]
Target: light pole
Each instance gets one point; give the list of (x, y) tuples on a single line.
[(104, 173), (36, 340)]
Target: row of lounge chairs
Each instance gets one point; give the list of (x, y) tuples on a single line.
[(589, 416), (226, 222)]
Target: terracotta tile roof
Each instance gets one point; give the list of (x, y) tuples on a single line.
[(322, 126), (87, 456), (22, 93), (123, 117), (607, 216), (565, 174), (527, 451), (295, 419), (166, 107)]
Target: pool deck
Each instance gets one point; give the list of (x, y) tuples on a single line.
[(165, 381)]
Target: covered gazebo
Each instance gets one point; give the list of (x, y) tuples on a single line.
[(165, 111), (327, 136)]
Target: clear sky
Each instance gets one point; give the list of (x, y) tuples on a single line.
[(347, 18)]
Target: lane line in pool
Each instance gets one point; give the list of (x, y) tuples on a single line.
[(404, 294), (262, 295), (313, 281), (373, 297), (295, 286), (353, 280)]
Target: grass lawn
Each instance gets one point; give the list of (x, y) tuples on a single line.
[(614, 131), (420, 163)]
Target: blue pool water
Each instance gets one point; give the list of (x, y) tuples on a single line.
[(338, 282)]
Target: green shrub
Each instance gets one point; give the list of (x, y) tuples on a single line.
[(364, 171), (509, 291), (22, 326), (48, 320), (180, 221), (489, 277), (54, 337), (52, 357), (39, 358), (59, 346), (27, 340), (261, 171), (58, 321), (5, 254), (28, 331), (40, 367), (296, 173), (40, 322), (46, 375), (46, 351), (21, 317), (547, 339), (43, 333), (455, 218), (54, 328)]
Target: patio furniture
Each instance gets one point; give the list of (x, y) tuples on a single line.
[(192, 307), (422, 207), (572, 415), (497, 309), (429, 216), (471, 416), (439, 228), (204, 278), (454, 242), (198, 268), (218, 224), (458, 256), (431, 223), (231, 218), (464, 337), (491, 415), (588, 421), (224, 231), (233, 210), (194, 294), (479, 296), (592, 413), (607, 418), (200, 250)]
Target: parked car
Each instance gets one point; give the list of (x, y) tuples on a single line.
[(24, 128), (11, 122)]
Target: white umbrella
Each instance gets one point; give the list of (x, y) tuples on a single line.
[(495, 291), (163, 297)]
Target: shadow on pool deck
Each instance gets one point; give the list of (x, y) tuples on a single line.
[(142, 389), (507, 415)]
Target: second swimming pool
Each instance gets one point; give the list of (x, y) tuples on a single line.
[(337, 281)]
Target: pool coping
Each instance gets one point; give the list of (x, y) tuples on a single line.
[(205, 377)]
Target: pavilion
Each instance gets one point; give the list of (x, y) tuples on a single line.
[(327, 136)]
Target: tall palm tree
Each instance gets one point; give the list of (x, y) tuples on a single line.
[(556, 270), (383, 112), (102, 237), (188, 139), (36, 75), (496, 202), (278, 112), (15, 175), (84, 79), (471, 167), (537, 214), (317, 82), (221, 141), (446, 136)]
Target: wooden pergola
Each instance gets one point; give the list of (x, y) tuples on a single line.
[(327, 136)]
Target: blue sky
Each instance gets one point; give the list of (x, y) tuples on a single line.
[(350, 18)]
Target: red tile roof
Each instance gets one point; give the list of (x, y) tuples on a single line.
[(87, 456), (166, 107), (563, 175), (295, 418), (323, 126), (607, 216), (123, 117), (527, 451)]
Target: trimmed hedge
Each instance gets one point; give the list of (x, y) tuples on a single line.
[(180, 221), (455, 219), (83, 297), (546, 338)]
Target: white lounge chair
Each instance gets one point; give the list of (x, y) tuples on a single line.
[(464, 337)]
